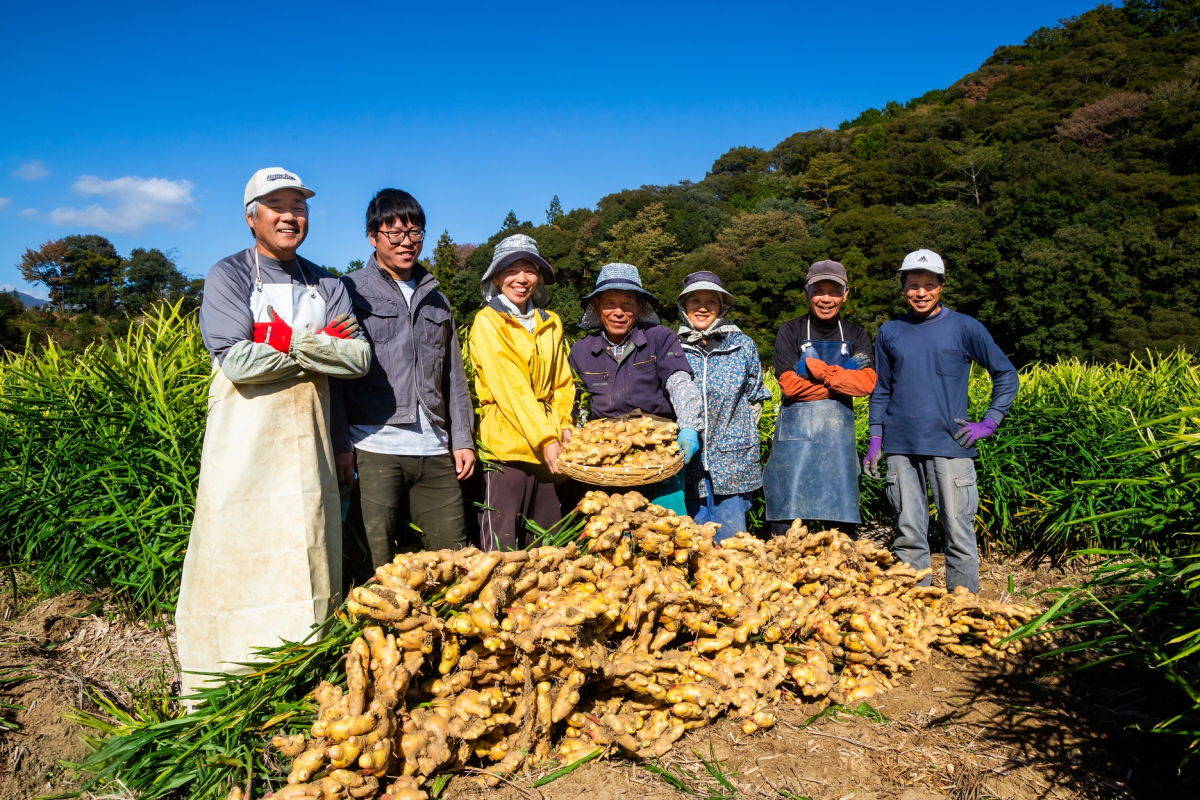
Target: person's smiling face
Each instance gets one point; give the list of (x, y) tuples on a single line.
[(618, 310), (282, 223), (825, 299), (397, 246), (923, 291), (702, 308), (518, 282)]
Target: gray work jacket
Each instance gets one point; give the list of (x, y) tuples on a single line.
[(415, 358)]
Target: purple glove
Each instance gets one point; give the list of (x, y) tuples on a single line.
[(870, 461), (972, 432)]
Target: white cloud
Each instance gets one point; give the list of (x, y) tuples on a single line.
[(135, 203), (29, 213), (31, 171), (5, 202)]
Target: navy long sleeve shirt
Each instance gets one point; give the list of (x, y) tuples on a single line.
[(924, 369)]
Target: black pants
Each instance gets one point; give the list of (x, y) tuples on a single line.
[(409, 503), (516, 491)]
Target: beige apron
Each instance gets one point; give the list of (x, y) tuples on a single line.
[(264, 560)]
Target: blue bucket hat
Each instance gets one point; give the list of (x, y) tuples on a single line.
[(619, 277), (622, 278)]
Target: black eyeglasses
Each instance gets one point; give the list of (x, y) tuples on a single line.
[(398, 237)]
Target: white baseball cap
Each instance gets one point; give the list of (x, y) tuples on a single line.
[(271, 179), (924, 259)]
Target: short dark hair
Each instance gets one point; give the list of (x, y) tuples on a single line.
[(393, 205)]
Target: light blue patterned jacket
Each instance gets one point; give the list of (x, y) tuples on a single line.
[(730, 381)]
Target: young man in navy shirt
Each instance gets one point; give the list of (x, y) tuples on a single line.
[(919, 418)]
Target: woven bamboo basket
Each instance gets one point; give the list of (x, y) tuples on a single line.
[(621, 476)]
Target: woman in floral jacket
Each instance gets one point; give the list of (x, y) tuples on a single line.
[(728, 373)]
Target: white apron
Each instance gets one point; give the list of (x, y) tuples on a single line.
[(264, 559)]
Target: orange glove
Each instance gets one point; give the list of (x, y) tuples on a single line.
[(850, 382), (796, 388), (817, 368)]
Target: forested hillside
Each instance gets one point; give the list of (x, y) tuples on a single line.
[(1061, 182)]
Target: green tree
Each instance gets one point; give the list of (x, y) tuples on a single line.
[(554, 213), (511, 222), (11, 308), (80, 272), (867, 145), (972, 163), (445, 259), (151, 277), (826, 180), (641, 241)]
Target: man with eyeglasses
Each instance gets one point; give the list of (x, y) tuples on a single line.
[(407, 426)]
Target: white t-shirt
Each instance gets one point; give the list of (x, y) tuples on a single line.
[(420, 438)]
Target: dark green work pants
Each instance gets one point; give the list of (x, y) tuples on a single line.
[(400, 493)]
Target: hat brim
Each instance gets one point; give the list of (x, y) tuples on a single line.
[(304, 190), (819, 278), (700, 286), (619, 286), (508, 259)]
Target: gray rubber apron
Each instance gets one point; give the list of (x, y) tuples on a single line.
[(813, 470)]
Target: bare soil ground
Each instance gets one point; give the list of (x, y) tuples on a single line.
[(72, 647), (958, 729)]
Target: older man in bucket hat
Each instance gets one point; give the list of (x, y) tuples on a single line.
[(630, 362), (264, 558)]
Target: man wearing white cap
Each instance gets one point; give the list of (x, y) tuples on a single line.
[(919, 418), (263, 562)]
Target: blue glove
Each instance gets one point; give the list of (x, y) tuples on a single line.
[(689, 442)]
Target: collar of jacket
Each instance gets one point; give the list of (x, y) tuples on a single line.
[(728, 344), (496, 304), (425, 282), (637, 337)]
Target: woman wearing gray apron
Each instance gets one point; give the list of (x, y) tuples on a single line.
[(822, 363)]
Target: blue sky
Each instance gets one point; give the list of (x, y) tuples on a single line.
[(143, 122)]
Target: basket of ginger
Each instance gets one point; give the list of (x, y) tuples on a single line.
[(626, 451)]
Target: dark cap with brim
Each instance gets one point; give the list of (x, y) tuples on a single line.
[(826, 271)]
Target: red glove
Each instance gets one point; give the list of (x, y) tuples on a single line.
[(276, 333), (343, 326)]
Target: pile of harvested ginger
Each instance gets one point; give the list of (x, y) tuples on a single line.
[(640, 441), (494, 662)]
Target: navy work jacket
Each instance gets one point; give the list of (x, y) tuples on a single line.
[(639, 381)]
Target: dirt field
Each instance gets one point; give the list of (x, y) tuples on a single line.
[(956, 729)]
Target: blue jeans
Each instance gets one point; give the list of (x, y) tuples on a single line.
[(729, 510), (956, 495)]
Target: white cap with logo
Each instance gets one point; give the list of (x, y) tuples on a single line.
[(923, 259), (272, 179)]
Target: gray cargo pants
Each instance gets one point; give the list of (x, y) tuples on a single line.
[(957, 498)]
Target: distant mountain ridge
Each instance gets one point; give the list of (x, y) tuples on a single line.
[(29, 301)]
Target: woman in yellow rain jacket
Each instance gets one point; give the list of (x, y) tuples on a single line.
[(525, 392)]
